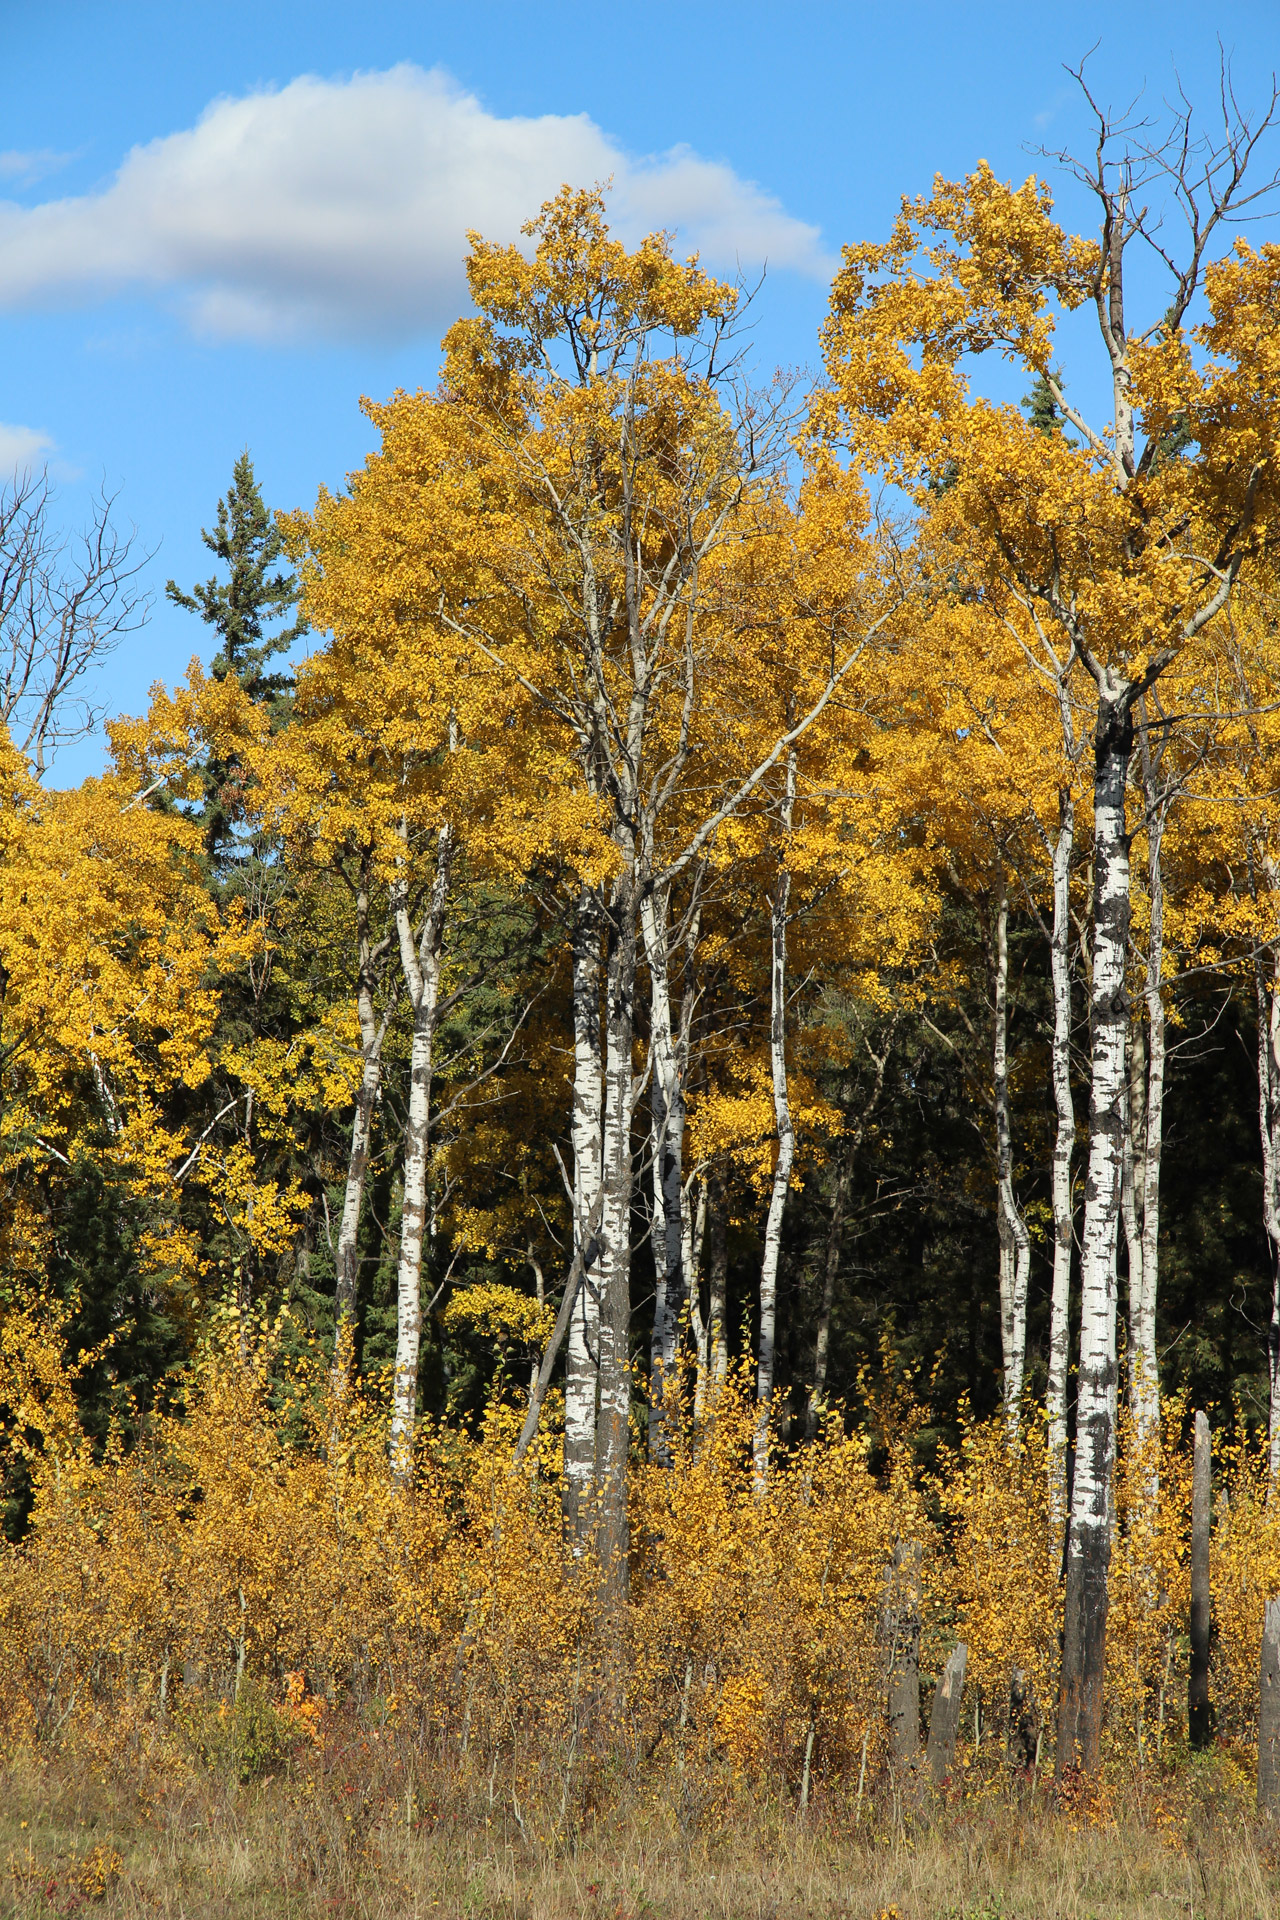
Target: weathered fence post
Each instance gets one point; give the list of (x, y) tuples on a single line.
[(944, 1720), (901, 1632), (1269, 1712), (1199, 1712)]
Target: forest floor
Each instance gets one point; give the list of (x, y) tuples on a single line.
[(75, 1840)]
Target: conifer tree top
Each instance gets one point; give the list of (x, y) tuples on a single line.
[(240, 608)]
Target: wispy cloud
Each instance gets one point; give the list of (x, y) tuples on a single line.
[(21, 448), (26, 168), (339, 209)]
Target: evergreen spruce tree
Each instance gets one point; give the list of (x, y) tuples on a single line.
[(242, 609), (1041, 407)]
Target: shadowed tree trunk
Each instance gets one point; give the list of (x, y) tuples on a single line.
[(1199, 1710), (1268, 1003)]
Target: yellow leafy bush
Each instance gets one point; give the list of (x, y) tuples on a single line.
[(250, 1568)]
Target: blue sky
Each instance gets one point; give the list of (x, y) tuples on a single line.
[(221, 224)]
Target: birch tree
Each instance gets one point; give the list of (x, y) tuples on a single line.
[(1114, 553), (617, 480)]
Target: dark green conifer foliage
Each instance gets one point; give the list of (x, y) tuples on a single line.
[(242, 609), (1041, 407)]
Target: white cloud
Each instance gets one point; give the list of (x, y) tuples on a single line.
[(21, 448), (31, 166), (339, 209)]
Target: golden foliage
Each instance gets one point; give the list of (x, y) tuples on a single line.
[(255, 1539)]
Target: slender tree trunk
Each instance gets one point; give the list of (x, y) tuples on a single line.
[(1132, 1185), (786, 1138), (612, 1431), (1015, 1241), (1063, 1151), (851, 1146), (1145, 1379), (372, 1035), (1199, 1708), (1269, 1710), (1089, 1543), (671, 1226), (830, 1273), (1268, 1000), (422, 977), (582, 1362), (713, 1366)]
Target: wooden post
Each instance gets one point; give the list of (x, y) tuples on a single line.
[(944, 1720), (901, 1630), (1269, 1712), (1199, 1713)]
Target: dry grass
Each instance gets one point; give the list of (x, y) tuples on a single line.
[(378, 1833)]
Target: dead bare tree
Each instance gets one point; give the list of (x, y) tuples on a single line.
[(66, 602)]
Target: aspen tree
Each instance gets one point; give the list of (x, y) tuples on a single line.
[(389, 763), (1113, 553), (614, 479)]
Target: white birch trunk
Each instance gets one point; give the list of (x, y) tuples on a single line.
[(1132, 1185), (372, 1035), (421, 967), (1015, 1241), (1089, 1544), (582, 1361), (612, 1430), (786, 1139), (672, 1225), (1063, 1150)]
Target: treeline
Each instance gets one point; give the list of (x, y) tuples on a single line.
[(741, 877)]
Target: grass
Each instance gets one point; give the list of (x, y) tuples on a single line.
[(374, 1832)]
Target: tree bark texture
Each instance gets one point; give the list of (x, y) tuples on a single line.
[(944, 1719), (582, 1259), (1089, 1544), (786, 1137), (900, 1629), (372, 1035), (612, 1429), (1015, 1241), (1199, 1710), (1147, 1127), (583, 1353), (1063, 1150), (670, 1210), (421, 965), (1269, 1712)]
